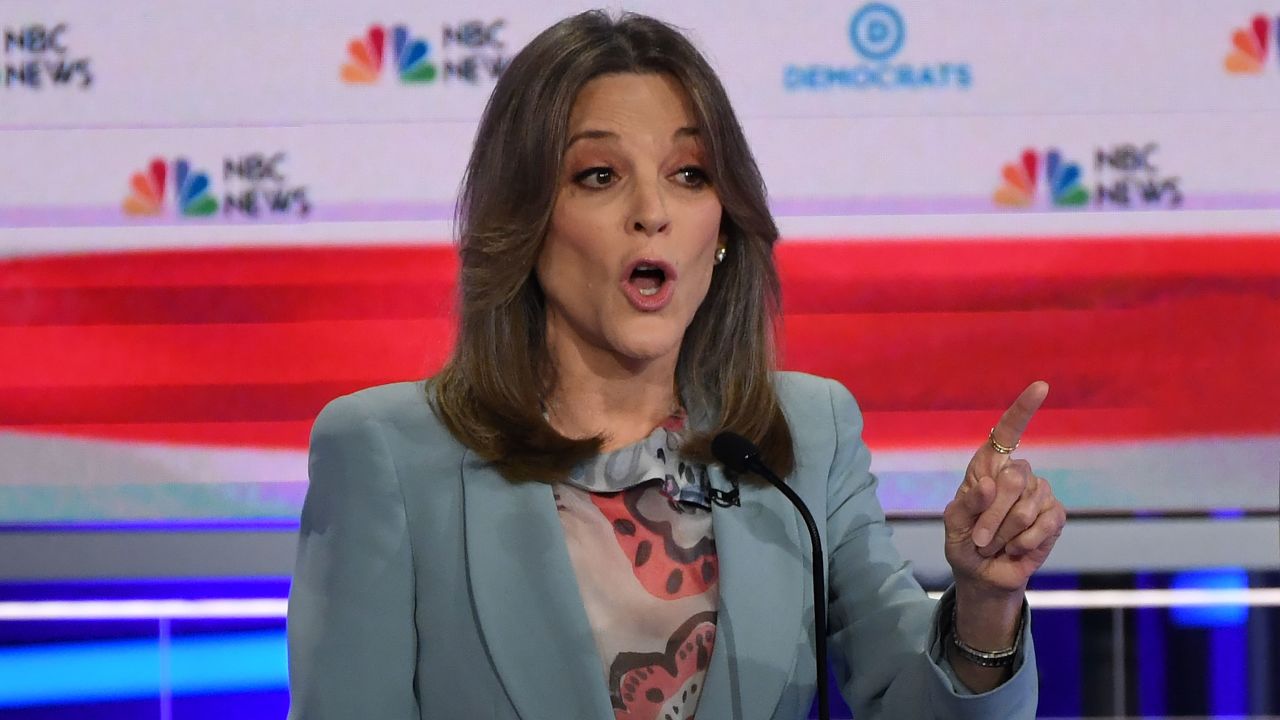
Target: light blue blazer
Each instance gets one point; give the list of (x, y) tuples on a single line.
[(428, 586)]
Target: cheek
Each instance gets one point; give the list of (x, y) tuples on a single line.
[(572, 258), (706, 225), (706, 271), (707, 217)]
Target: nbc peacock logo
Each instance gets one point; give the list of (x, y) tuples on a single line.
[(1022, 177), (190, 190), (366, 56), (1248, 54)]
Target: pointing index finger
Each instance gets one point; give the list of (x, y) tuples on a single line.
[(1015, 420)]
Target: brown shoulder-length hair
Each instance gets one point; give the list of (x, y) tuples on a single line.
[(490, 393)]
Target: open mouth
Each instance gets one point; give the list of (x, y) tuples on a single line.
[(649, 284), (648, 278)]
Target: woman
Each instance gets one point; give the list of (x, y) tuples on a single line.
[(539, 531)]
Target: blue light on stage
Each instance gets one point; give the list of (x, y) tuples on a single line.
[(73, 672), (1213, 615), (113, 670), (248, 661)]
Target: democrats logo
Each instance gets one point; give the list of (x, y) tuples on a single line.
[(254, 185), (470, 51), (1125, 175), (877, 32), (1249, 46), (38, 56), (878, 37)]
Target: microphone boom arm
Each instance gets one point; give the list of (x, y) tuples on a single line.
[(741, 455), (819, 581)]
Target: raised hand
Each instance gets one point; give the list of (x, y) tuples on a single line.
[(1004, 519)]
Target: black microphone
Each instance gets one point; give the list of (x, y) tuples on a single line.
[(741, 455)]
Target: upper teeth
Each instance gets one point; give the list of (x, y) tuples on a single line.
[(648, 292)]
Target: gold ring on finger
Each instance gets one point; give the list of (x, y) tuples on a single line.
[(995, 444)]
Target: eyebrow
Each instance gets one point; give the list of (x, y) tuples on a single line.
[(688, 131)]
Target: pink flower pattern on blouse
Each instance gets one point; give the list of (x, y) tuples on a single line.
[(638, 527)]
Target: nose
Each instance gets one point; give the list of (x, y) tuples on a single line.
[(649, 209)]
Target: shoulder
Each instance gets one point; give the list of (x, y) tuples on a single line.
[(400, 412), (810, 400), (387, 442), (798, 386), (826, 425)]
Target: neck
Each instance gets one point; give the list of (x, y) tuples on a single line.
[(599, 393)]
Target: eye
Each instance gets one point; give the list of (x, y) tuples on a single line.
[(595, 178), (692, 176)]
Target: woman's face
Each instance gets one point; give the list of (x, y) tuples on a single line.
[(629, 253)]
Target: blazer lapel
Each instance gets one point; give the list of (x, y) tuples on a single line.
[(526, 598), (763, 585)]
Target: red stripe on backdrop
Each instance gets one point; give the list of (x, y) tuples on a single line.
[(145, 355), (291, 435), (222, 304), (1140, 337), (813, 294), (273, 285), (1147, 256), (365, 265)]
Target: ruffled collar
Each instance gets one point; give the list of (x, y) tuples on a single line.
[(654, 458)]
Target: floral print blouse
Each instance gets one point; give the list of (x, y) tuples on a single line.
[(637, 521)]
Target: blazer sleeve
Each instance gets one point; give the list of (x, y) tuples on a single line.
[(352, 641), (884, 629)]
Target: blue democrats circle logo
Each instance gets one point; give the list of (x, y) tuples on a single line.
[(878, 35), (877, 31)]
